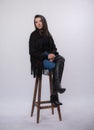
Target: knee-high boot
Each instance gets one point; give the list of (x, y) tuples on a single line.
[(57, 76)]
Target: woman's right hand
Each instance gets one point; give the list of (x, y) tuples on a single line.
[(51, 57)]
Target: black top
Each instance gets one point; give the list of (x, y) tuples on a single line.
[(38, 44)]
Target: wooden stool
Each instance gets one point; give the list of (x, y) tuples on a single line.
[(38, 103)]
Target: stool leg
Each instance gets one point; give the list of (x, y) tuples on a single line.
[(34, 96), (50, 80), (39, 99), (59, 113)]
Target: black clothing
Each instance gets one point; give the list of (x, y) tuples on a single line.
[(55, 100), (57, 74), (38, 44)]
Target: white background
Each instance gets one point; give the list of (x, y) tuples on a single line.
[(71, 24)]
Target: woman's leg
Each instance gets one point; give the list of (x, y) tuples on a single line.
[(48, 64), (57, 66), (57, 74)]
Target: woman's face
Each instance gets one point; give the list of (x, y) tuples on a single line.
[(38, 23)]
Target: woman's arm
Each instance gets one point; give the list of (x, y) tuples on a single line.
[(53, 48)]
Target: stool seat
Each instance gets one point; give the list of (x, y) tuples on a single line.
[(38, 103)]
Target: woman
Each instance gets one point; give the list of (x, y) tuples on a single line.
[(44, 55)]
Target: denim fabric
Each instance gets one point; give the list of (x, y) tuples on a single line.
[(48, 64)]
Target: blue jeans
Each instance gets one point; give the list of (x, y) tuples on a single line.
[(48, 64)]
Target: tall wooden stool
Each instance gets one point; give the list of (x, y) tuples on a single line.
[(38, 102)]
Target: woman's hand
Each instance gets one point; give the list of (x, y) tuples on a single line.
[(51, 57)]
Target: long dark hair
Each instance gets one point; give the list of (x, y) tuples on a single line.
[(45, 26)]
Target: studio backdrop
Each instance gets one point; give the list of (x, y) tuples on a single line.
[(71, 24)]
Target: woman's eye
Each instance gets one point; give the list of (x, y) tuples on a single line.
[(40, 21), (36, 22)]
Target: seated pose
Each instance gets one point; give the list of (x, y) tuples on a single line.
[(44, 55)]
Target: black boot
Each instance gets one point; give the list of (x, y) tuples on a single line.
[(59, 89), (57, 100), (54, 100), (57, 75)]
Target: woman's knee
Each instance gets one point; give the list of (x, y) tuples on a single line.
[(60, 58)]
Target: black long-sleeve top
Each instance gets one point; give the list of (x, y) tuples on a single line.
[(38, 44)]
